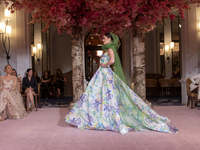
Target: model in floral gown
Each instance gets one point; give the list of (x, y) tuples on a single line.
[(11, 101), (109, 104)]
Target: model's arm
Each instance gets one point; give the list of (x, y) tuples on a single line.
[(64, 79), (42, 80), (15, 84), (1, 85), (112, 59)]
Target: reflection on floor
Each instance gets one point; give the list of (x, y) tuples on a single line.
[(62, 102), (165, 101)]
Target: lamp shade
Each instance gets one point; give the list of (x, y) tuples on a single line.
[(39, 46), (34, 49), (172, 45), (7, 14), (166, 47), (99, 53), (2, 27), (8, 31)]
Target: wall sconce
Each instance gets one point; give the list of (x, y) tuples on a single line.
[(7, 14), (39, 46), (99, 53), (34, 50), (37, 57), (2, 27), (6, 32), (198, 27), (167, 48)]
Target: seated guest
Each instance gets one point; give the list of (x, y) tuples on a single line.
[(19, 80), (14, 73), (194, 86), (59, 80), (46, 84), (11, 101), (30, 87), (36, 76)]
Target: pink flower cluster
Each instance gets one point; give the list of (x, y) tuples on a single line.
[(101, 15)]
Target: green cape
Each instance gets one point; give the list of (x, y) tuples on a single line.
[(117, 67)]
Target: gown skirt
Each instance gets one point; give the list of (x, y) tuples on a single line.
[(11, 102)]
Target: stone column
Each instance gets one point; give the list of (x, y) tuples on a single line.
[(77, 46), (167, 41), (189, 48)]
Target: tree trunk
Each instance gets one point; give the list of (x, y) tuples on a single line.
[(77, 44), (138, 55)]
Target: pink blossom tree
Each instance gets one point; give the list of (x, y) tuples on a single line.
[(103, 16)]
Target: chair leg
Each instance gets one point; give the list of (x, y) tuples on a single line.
[(36, 102), (40, 100), (25, 102), (191, 102), (162, 91), (188, 101)]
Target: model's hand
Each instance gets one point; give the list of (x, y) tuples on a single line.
[(103, 65), (8, 88)]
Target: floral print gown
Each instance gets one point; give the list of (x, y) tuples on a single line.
[(109, 104)]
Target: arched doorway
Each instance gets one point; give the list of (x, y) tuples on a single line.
[(93, 52)]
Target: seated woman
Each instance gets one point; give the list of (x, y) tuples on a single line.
[(36, 76), (11, 101), (59, 80), (30, 87), (14, 73), (19, 80), (46, 83)]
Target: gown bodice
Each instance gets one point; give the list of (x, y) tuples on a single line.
[(7, 84), (104, 58)]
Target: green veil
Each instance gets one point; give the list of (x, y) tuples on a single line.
[(117, 67)]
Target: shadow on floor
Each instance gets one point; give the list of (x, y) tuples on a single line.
[(165, 101), (62, 102), (156, 101)]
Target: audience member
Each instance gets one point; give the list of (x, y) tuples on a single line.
[(46, 81), (36, 76), (14, 73), (59, 80), (30, 87)]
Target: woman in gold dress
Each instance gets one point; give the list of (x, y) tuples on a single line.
[(11, 101)]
